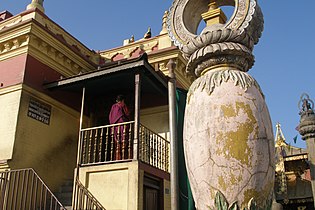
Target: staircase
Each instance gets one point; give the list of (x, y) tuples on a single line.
[(24, 189), (64, 194)]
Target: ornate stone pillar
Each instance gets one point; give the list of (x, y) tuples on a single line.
[(228, 137), (307, 131)]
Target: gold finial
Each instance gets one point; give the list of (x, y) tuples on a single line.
[(212, 5), (279, 138), (214, 14), (164, 23), (39, 4)]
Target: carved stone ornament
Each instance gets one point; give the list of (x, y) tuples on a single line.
[(39, 4), (222, 204), (244, 29), (215, 78), (228, 137), (307, 122)]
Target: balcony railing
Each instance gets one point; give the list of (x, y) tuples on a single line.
[(153, 149), (116, 142), (24, 189), (107, 143)]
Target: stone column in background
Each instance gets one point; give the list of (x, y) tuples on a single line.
[(307, 131)]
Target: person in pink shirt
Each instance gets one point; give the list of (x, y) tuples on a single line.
[(119, 113)]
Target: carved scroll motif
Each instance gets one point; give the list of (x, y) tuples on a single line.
[(243, 29)]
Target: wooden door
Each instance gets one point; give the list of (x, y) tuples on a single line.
[(151, 201)]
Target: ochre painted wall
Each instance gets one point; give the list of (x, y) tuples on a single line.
[(156, 119), (9, 107), (120, 185), (116, 186), (167, 195), (49, 149)]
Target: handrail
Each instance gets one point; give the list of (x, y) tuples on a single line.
[(83, 198), (107, 126), (24, 189), (153, 132), (107, 143)]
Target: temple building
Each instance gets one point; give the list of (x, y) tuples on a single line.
[(293, 181), (58, 149)]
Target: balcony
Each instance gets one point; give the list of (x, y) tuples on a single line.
[(125, 159), (116, 143), (144, 88)]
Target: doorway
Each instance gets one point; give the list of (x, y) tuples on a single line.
[(152, 194)]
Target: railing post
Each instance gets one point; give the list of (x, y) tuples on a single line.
[(79, 155), (173, 134), (137, 116)]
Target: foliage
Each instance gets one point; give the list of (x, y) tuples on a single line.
[(222, 204)]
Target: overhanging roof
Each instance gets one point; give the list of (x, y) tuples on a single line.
[(116, 76)]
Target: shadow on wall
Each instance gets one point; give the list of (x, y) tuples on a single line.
[(58, 163)]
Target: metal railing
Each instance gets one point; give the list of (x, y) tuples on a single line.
[(107, 143), (83, 199), (24, 189), (154, 149), (115, 142)]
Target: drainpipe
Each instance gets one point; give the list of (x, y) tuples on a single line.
[(173, 134)]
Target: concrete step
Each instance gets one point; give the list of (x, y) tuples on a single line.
[(64, 194)]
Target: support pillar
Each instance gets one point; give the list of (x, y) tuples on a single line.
[(307, 131), (79, 155), (137, 116), (173, 134)]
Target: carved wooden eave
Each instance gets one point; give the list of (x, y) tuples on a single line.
[(295, 157), (32, 32), (301, 201)]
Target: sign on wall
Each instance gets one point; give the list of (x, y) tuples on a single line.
[(39, 111)]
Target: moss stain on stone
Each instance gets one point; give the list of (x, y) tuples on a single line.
[(229, 111), (222, 183), (235, 143), (235, 180), (262, 198)]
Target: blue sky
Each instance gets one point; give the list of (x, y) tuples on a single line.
[(285, 55)]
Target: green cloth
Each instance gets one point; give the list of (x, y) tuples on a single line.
[(186, 201)]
